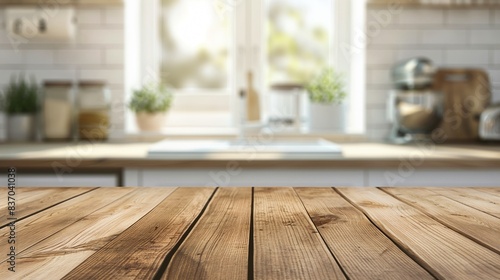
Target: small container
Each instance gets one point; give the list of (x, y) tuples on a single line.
[(489, 124), (58, 110), (287, 106), (94, 106)]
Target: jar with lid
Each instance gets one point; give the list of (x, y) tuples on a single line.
[(58, 110), (94, 110), (287, 103)]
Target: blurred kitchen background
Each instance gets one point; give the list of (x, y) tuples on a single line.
[(108, 48)]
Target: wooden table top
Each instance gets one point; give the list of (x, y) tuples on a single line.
[(355, 155), (252, 233)]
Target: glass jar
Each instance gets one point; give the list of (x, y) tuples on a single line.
[(58, 110), (94, 104), (287, 106)]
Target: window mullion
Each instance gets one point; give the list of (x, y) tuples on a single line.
[(239, 58), (257, 22)]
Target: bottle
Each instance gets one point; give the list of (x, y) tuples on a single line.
[(253, 105)]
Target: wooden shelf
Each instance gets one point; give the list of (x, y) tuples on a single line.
[(69, 3)]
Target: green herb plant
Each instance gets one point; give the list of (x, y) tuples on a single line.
[(20, 97), (151, 98), (327, 88)]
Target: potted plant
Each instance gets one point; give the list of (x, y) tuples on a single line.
[(326, 93), (20, 101), (150, 104)]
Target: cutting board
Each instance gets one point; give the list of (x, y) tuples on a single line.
[(466, 93)]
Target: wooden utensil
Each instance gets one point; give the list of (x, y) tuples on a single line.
[(253, 104), (466, 93)]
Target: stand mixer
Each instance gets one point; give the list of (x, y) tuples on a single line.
[(414, 109)]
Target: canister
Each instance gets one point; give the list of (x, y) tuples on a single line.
[(58, 110), (94, 105), (287, 106)]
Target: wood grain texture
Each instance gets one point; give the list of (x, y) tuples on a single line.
[(362, 250), (473, 198), (218, 246), (44, 224), (494, 192), (286, 233), (139, 251), (346, 162), (441, 250), (287, 245), (477, 225), (29, 201), (3, 193), (114, 156), (75, 243)]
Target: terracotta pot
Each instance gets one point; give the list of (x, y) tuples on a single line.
[(150, 121), (327, 117)]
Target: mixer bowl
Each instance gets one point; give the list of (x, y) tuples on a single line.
[(418, 112)]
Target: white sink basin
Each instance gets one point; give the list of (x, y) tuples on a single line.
[(313, 148)]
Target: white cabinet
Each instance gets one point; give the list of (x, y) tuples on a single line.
[(234, 176), (67, 180), (434, 178)]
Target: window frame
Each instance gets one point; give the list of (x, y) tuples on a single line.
[(348, 27)]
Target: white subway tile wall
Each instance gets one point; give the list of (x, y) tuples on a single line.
[(78, 57), (421, 17), (450, 37), (468, 17), (444, 37), (114, 57), (97, 53), (497, 17)]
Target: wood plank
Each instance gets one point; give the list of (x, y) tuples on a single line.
[(139, 252), (217, 247), (362, 250), (479, 226), (3, 193), (32, 200), (75, 243), (25, 193), (495, 192), (42, 225), (441, 250), (354, 159), (287, 245), (473, 198)]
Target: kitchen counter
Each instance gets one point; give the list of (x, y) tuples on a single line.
[(252, 233), (355, 155)]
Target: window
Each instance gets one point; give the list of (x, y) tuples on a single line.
[(204, 49), (195, 46), (298, 39)]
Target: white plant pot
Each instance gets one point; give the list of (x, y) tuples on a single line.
[(150, 121), (330, 117), (21, 127)]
